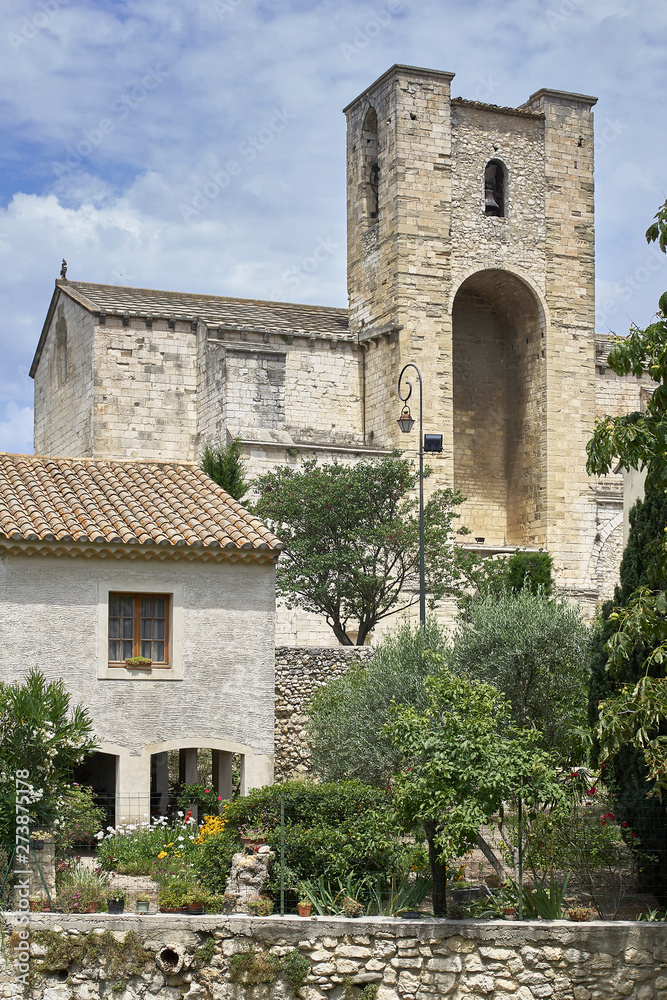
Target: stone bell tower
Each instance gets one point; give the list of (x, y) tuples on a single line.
[(471, 253)]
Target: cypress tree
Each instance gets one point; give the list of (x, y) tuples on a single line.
[(625, 774)]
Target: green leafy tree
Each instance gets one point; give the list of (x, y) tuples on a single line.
[(626, 771), (347, 715), (639, 440), (535, 650), (351, 536), (499, 574), (332, 830), (42, 738), (224, 464), (461, 759), (636, 713), (530, 571)]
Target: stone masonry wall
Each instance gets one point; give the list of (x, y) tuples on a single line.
[(64, 385), (406, 960), (299, 673)]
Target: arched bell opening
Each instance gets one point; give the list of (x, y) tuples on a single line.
[(499, 404), (370, 166), (495, 189)]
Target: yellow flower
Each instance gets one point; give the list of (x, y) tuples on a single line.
[(162, 854), (211, 826), (170, 845)]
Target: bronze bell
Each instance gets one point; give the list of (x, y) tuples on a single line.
[(489, 200)]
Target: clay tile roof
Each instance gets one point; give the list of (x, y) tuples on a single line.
[(499, 110), (45, 499), (214, 310)]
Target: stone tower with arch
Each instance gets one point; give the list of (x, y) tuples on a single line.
[(471, 253)]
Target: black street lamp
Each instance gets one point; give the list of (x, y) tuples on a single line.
[(431, 443), (406, 423)]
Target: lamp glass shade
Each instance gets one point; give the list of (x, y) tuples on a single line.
[(405, 421)]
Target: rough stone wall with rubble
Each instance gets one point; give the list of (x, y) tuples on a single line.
[(299, 674), (406, 960)]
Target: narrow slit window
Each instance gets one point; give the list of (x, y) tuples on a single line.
[(139, 626), (495, 184), (371, 166)]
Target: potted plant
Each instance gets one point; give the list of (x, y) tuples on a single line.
[(252, 838), (116, 900), (142, 902), (464, 892), (37, 839), (79, 899), (581, 914), (510, 912), (218, 902), (172, 900), (138, 662), (305, 907), (195, 899), (351, 908), (39, 905), (261, 907)]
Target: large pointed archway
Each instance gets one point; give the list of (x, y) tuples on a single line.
[(499, 407)]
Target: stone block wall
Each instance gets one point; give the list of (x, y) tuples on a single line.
[(145, 390), (404, 960), (64, 387), (299, 673)]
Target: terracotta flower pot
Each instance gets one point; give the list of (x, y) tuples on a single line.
[(93, 908), (305, 909), (195, 907), (39, 906)]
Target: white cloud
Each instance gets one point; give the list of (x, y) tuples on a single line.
[(16, 429), (222, 69)]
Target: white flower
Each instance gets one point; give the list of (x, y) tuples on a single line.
[(100, 835)]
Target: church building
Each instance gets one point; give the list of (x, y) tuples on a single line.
[(471, 254)]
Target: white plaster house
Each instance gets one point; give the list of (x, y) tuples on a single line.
[(103, 560)]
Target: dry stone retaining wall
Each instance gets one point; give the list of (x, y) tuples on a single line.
[(407, 960), (299, 673)]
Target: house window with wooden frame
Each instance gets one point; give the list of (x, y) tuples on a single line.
[(139, 626)]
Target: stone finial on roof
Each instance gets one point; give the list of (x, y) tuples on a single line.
[(63, 270)]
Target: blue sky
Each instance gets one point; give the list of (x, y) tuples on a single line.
[(120, 119)]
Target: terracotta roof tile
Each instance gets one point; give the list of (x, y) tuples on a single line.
[(122, 502)]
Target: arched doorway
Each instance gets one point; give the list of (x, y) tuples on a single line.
[(499, 407)]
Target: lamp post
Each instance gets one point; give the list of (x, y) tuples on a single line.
[(406, 423)]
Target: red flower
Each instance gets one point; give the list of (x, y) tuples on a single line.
[(591, 791), (624, 825), (633, 835)]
